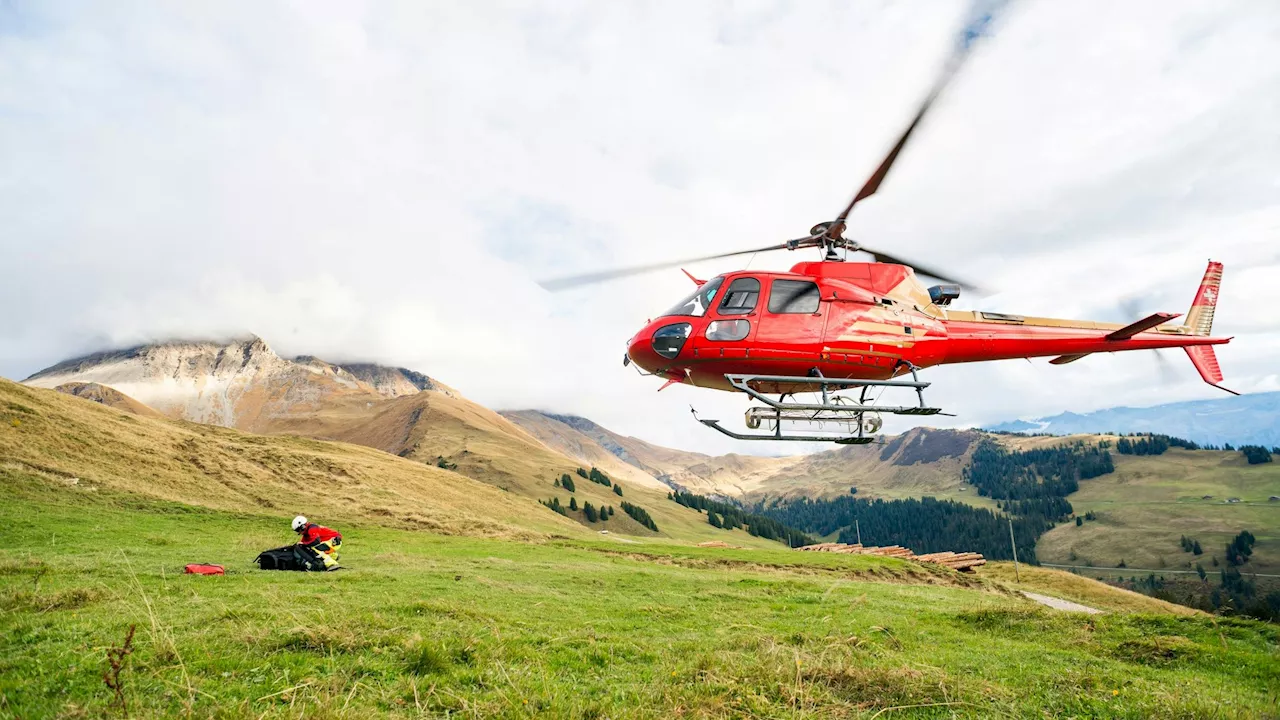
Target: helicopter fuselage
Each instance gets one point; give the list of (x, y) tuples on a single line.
[(871, 321)]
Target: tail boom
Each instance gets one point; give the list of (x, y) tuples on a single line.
[(994, 336), (974, 342)]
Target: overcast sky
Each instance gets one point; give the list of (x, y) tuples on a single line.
[(385, 181)]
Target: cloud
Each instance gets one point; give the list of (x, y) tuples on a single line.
[(385, 181)]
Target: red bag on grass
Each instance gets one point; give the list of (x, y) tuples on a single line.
[(199, 569)]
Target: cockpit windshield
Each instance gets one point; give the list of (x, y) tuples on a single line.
[(697, 303)]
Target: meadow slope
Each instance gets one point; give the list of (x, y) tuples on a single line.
[(496, 476), (1149, 502), (427, 625)]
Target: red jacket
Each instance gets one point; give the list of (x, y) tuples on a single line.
[(313, 533)]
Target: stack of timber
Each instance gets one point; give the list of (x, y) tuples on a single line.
[(963, 562)]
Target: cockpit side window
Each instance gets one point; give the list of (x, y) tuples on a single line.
[(741, 297), (696, 304)]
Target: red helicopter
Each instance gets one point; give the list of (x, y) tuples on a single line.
[(843, 330)]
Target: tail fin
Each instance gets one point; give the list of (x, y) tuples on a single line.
[(1200, 316), (1200, 322)]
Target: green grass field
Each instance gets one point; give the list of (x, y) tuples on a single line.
[(425, 625)]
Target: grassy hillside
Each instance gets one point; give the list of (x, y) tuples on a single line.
[(730, 475), (437, 427), (920, 462), (83, 444), (590, 451), (422, 624), (1083, 590), (500, 472), (1150, 502), (1143, 508)]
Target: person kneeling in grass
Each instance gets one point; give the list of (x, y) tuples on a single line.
[(318, 542)]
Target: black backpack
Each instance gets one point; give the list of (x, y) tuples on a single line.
[(289, 557)]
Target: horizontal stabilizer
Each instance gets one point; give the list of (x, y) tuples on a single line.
[(1203, 357), (1145, 323), (1064, 359)]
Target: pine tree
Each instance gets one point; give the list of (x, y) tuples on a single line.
[(582, 473), (612, 511), (640, 515), (713, 520), (590, 511), (617, 489), (1079, 521), (1195, 547), (1200, 571), (566, 482), (573, 503), (598, 477)]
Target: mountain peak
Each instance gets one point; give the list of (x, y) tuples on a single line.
[(244, 349), (239, 382)]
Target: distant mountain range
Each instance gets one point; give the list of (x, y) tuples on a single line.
[(1244, 420)]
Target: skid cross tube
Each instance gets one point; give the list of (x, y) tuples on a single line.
[(742, 382)]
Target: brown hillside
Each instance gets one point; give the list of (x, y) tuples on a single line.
[(921, 461), (245, 385), (569, 440), (434, 427), (110, 397), (64, 438), (731, 475)]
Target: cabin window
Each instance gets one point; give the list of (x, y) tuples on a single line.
[(741, 296), (728, 330), (696, 305), (794, 297)]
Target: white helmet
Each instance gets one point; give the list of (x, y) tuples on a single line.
[(299, 523)]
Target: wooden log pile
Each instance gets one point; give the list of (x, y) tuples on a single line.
[(964, 562)]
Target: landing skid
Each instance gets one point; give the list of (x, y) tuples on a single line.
[(859, 418)]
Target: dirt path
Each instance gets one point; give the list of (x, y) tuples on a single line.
[(1059, 604)]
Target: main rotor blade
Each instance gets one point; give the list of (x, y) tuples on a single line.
[(975, 27), (564, 283), (921, 269)]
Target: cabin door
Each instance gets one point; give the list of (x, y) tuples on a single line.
[(792, 322)]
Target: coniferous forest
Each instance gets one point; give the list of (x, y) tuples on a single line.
[(926, 525), (1043, 472), (1031, 486), (731, 516), (1152, 444)]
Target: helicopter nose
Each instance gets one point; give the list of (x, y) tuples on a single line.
[(659, 344), (640, 350)]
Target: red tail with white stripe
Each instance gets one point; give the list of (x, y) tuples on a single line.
[(1200, 322)]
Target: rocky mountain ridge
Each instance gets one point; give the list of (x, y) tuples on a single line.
[(240, 383)]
